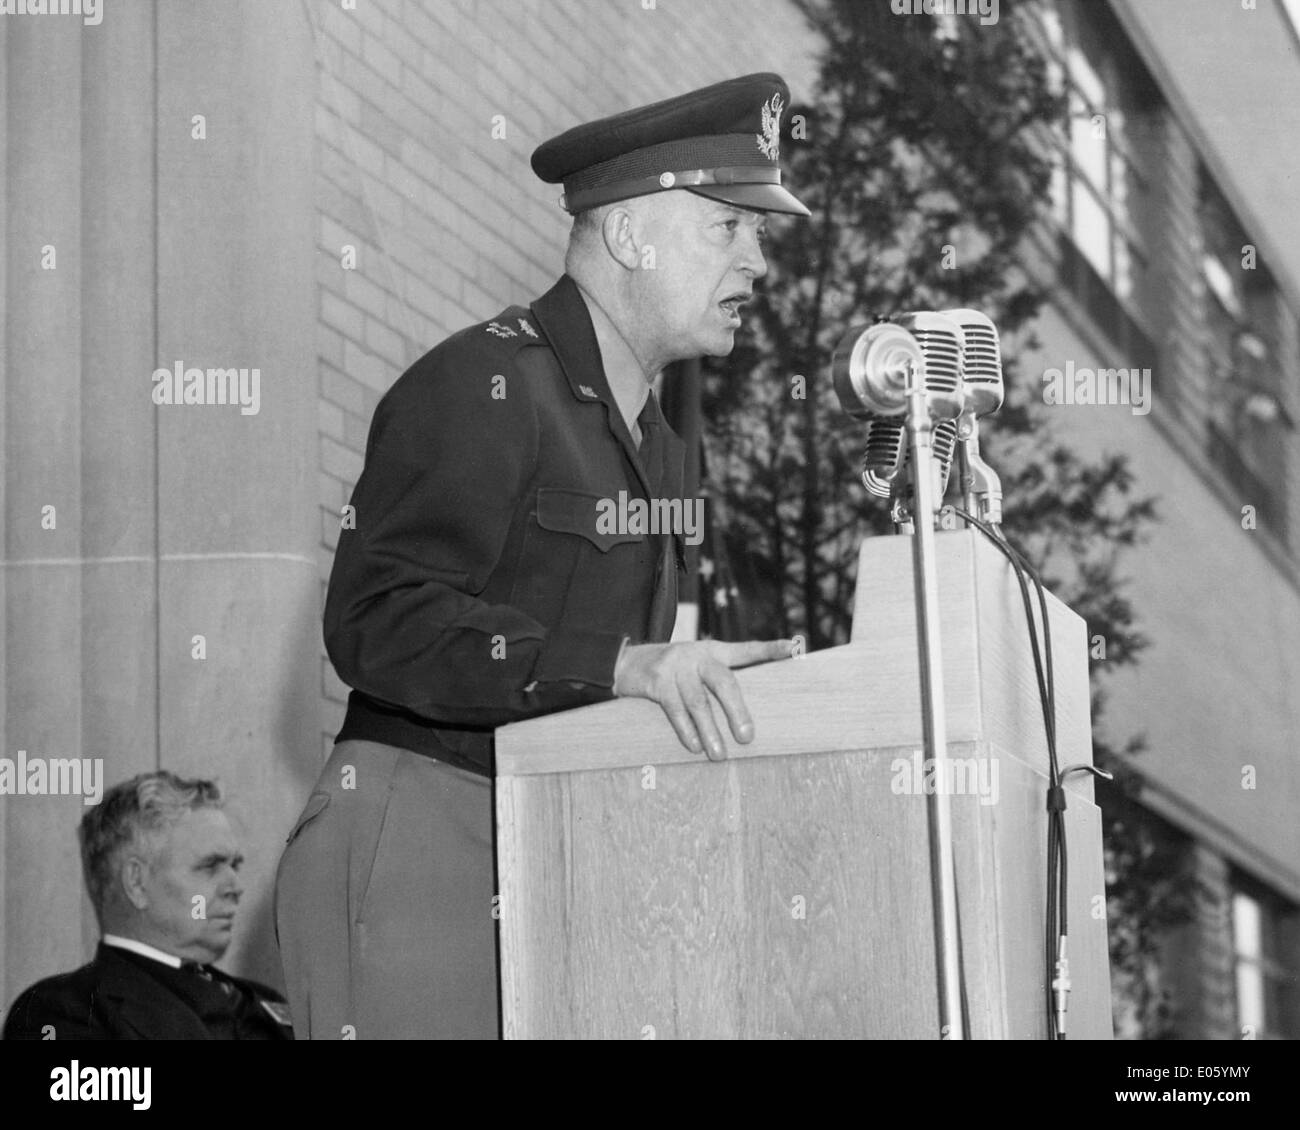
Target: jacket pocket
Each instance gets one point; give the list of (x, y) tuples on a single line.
[(583, 513)]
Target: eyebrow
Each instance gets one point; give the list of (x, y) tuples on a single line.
[(216, 857), (734, 211)]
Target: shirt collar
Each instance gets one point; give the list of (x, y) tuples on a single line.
[(142, 949)]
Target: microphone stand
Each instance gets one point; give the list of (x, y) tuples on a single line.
[(981, 488), (943, 878)]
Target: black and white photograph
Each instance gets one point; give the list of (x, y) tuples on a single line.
[(651, 520)]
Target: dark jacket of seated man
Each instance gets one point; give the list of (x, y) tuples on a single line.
[(161, 864), (124, 995)]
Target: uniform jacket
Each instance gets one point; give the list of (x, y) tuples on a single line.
[(123, 996), (479, 585)]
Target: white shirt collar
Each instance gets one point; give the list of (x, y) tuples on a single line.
[(142, 949)]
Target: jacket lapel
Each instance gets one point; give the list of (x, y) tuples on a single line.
[(563, 316), (143, 1005)]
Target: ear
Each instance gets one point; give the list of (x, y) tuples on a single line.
[(134, 877), (622, 240)]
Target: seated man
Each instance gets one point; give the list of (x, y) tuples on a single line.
[(161, 864)]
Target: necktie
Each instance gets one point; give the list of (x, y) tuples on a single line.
[(648, 422), (208, 974)]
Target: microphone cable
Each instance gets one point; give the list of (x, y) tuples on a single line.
[(1057, 978)]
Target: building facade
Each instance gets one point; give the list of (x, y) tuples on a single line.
[(1175, 249)]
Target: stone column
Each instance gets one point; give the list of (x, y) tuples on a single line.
[(43, 504), (171, 522), (237, 514)]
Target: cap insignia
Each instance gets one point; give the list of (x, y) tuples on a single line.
[(769, 141)]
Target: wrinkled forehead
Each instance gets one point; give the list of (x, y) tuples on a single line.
[(197, 834)]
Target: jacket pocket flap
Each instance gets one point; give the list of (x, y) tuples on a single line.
[(583, 513)]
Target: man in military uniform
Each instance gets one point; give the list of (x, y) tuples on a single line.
[(161, 863), (480, 586)]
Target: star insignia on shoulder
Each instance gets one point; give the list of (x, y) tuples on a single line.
[(528, 329), (500, 331)]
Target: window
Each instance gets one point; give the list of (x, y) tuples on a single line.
[(1248, 423), (1265, 939), (1101, 185), (1103, 165)]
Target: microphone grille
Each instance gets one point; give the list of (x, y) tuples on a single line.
[(983, 357), (983, 372), (885, 454), (945, 444), (942, 350), (942, 346)]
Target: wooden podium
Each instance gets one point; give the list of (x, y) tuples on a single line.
[(784, 893)]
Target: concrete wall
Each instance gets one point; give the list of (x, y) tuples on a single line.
[(171, 521)]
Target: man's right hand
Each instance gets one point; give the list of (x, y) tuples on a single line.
[(681, 677)]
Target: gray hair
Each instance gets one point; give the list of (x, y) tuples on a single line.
[(583, 236), (588, 222), (133, 814)]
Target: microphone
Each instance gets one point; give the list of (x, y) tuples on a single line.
[(872, 369), (943, 345), (984, 387), (945, 443)]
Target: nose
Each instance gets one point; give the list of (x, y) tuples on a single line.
[(753, 262), (233, 887)]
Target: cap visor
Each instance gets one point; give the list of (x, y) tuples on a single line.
[(758, 197)]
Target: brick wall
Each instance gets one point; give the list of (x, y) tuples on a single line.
[(448, 221)]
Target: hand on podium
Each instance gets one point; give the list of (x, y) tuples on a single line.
[(681, 677)]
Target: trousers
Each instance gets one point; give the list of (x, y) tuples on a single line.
[(384, 905)]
